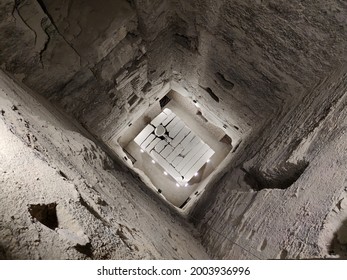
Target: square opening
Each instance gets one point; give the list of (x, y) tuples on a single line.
[(175, 148)]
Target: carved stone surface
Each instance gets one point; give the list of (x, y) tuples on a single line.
[(272, 70)]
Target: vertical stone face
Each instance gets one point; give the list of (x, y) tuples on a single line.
[(62, 197), (93, 58), (297, 179), (273, 70), (273, 52)]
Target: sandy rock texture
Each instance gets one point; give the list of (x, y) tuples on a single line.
[(98, 61), (272, 70), (62, 197), (290, 202)]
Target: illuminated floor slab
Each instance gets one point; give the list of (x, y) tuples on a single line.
[(174, 146)]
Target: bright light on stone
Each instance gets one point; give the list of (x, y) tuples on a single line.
[(165, 173), (153, 161), (142, 151), (176, 132), (177, 185), (196, 174), (208, 160), (186, 185)]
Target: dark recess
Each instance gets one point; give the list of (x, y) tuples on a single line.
[(132, 100), (224, 82), (62, 174), (185, 203), (86, 249), (211, 93), (278, 178), (164, 101), (3, 254), (336, 247), (201, 116), (46, 214), (284, 254), (92, 211), (146, 88), (189, 43), (226, 139)]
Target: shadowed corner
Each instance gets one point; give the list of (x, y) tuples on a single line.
[(3, 254), (338, 245)]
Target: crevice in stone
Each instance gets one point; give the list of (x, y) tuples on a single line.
[(338, 245), (86, 249), (224, 82), (211, 93), (62, 174), (17, 8), (92, 211), (201, 116), (44, 9), (46, 214), (284, 254), (3, 254), (45, 46), (147, 87), (279, 178), (226, 139), (165, 100), (189, 43)]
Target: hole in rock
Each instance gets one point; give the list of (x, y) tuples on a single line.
[(224, 82), (165, 100), (338, 245), (212, 94), (201, 116), (86, 249), (189, 43), (226, 139), (46, 214), (132, 100), (280, 178)]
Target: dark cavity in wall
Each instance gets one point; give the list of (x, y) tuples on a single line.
[(224, 82), (211, 93), (189, 43), (165, 100), (132, 100), (201, 116), (3, 254), (85, 249), (46, 214), (226, 139), (281, 177), (338, 245), (147, 87)]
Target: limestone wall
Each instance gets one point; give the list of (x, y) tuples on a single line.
[(98, 61), (62, 197), (258, 57), (273, 207), (273, 70)]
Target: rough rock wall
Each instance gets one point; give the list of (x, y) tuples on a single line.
[(248, 61), (258, 57), (62, 197), (99, 61), (256, 64), (272, 215)]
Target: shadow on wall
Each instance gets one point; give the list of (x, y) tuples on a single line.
[(281, 177), (338, 245), (3, 254)]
